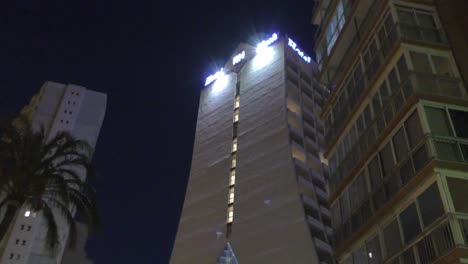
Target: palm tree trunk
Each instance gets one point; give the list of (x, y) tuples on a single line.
[(7, 220)]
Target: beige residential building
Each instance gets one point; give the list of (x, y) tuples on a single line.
[(256, 191), (57, 107), (396, 128)]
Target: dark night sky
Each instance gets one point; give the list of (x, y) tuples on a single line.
[(151, 59)]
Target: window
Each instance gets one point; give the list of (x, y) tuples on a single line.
[(458, 193), (460, 123), (237, 102), (400, 145), (420, 62), (410, 223), (334, 28), (418, 24), (336, 215), (430, 205), (234, 130), (386, 157), (22, 227), (230, 215), (442, 65), (413, 129), (374, 173), (233, 160), (23, 243), (374, 254), (344, 202), (231, 195), (392, 238), (17, 241), (232, 177), (236, 115), (438, 121), (234, 145), (29, 228)]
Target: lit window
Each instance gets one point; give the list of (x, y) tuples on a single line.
[(231, 195), (234, 145), (232, 178), (236, 115), (27, 213), (230, 215), (233, 161), (237, 103)]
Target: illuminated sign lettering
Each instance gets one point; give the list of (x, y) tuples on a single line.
[(265, 43), (214, 77), (238, 58), (298, 51)]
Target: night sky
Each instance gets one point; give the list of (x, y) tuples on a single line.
[(150, 57)]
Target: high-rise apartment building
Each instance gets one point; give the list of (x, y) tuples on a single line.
[(256, 191), (57, 107), (396, 128)]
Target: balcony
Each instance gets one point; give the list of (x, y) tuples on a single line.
[(317, 178), (431, 151), (445, 242), (305, 183), (325, 213), (322, 246), (308, 115), (309, 202), (315, 224), (311, 145), (321, 195), (419, 84), (399, 32), (344, 52)]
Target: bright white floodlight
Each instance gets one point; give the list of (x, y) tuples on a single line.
[(214, 77), (262, 46), (220, 83)]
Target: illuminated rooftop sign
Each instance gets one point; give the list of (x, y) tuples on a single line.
[(265, 43), (214, 77), (293, 45), (238, 58)]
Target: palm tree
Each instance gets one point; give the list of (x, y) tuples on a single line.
[(45, 175)]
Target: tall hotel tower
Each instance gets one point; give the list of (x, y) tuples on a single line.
[(256, 191), (396, 128), (57, 107)]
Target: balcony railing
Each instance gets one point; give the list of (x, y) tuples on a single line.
[(398, 32), (429, 148), (437, 241), (415, 83)]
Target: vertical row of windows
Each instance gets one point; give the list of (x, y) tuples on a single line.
[(232, 174)]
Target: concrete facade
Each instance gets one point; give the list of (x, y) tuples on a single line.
[(57, 107), (269, 223)]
